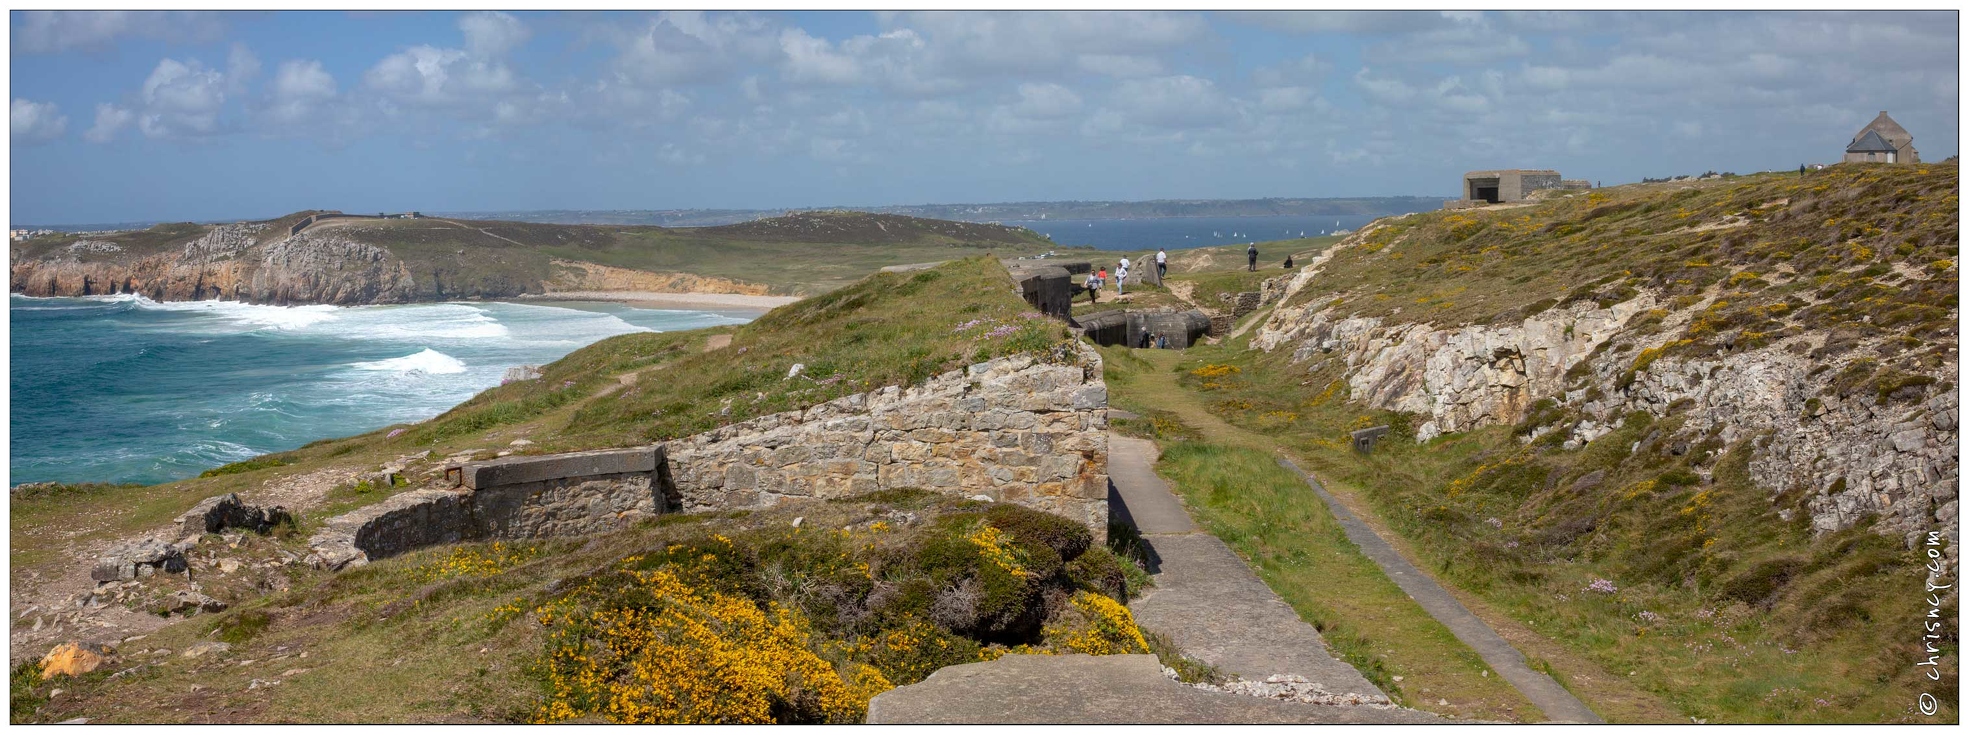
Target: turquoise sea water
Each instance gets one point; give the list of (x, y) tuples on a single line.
[(124, 389)]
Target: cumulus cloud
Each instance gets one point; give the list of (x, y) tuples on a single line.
[(691, 47), (1171, 102), (110, 120), (37, 122), (182, 99), (53, 31), (492, 33), (300, 91)]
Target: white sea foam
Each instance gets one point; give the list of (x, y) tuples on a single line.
[(428, 361), (257, 316)]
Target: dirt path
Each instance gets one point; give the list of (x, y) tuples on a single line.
[(1540, 689)]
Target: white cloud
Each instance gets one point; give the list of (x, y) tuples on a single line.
[(1339, 21), (1304, 70), (810, 59), (241, 68), (441, 78), (110, 120), (492, 33), (182, 99), (300, 90), (1046, 101), (37, 122), (1120, 65), (51, 31), (690, 47), (1172, 102)]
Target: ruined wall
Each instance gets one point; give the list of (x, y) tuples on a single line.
[(1012, 430), (511, 498)]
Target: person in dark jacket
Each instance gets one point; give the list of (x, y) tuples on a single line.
[(1251, 255), (1288, 262)]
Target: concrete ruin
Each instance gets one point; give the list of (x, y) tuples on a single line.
[(1509, 185), (1047, 286), (1121, 327), (509, 498)]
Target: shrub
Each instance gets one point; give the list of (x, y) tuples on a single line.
[(1101, 572), (1067, 539)]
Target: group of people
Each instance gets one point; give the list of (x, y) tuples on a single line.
[(1157, 341), (1099, 279)]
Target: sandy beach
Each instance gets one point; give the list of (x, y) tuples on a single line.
[(656, 300)]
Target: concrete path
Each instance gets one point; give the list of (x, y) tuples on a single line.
[(1082, 690), (1205, 598), (1553, 699)]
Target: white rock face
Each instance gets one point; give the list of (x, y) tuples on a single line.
[(1896, 459)]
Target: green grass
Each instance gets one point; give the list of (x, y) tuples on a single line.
[(1718, 598), (1818, 252), (1270, 516)]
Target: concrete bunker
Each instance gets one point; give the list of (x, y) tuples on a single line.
[(1121, 327), (509, 498)]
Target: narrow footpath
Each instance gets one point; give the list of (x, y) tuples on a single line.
[(1551, 698), (1145, 498)]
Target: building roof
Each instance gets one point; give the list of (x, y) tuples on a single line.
[(1870, 142), (1520, 171), (1890, 131)]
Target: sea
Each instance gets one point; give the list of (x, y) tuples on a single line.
[(124, 389), (1176, 233)]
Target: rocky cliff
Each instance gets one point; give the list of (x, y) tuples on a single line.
[(1852, 408), (229, 262)]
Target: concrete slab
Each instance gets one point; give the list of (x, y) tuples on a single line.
[(1075, 689), (516, 470)]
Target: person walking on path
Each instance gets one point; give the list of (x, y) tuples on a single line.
[(1251, 256), (1094, 286), (1161, 264), (1121, 278), (1288, 262)]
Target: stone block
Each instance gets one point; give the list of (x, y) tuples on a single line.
[(516, 470)]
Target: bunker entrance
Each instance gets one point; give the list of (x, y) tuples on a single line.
[(1483, 190)]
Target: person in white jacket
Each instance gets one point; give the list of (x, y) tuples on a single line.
[(1121, 277), (1161, 264)]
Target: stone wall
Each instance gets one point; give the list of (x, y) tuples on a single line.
[(1014, 429), (511, 498)]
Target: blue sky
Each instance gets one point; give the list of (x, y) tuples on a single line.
[(131, 116)]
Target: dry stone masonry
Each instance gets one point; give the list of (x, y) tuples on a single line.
[(1014, 429)]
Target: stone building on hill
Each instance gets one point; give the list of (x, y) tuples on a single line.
[(1882, 141)]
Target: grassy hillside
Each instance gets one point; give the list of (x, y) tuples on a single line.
[(1861, 250), (1651, 550)]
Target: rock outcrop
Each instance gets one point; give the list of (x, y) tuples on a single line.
[(1859, 455), (229, 262)]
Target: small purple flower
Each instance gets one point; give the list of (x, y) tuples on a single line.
[(567, 384), (1494, 523), (1510, 544), (1602, 586), (1000, 331), (1705, 613), (1648, 617), (394, 433)]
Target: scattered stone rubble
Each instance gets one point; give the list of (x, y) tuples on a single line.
[(1290, 688)]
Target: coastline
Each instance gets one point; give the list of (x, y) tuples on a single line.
[(660, 300)]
